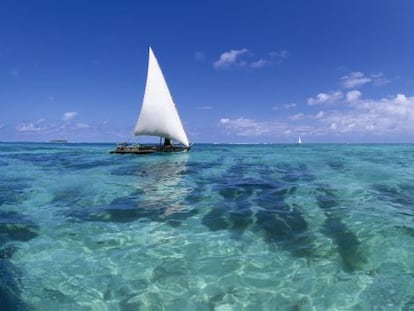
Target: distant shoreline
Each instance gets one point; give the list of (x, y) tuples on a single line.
[(64, 141)]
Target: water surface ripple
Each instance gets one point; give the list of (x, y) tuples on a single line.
[(223, 227)]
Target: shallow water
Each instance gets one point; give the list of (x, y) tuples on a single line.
[(223, 227)]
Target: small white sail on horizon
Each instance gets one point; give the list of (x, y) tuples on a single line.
[(299, 140), (159, 115)]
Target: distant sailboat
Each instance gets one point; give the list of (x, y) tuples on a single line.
[(158, 117), (299, 140)]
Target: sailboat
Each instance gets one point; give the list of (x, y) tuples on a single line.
[(299, 140), (158, 116)]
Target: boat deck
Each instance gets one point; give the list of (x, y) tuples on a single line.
[(122, 149)]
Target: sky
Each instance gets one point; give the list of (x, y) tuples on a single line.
[(239, 71)]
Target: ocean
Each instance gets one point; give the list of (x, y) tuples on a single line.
[(223, 227)]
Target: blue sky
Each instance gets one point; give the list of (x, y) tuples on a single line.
[(239, 71)]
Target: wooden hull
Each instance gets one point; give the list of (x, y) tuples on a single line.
[(149, 149)]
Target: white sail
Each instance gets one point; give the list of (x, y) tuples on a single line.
[(159, 116), (299, 140)]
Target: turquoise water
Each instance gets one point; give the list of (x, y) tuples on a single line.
[(223, 227)]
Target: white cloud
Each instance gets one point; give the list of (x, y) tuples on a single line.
[(352, 96), (69, 115), (387, 115), (297, 117), (279, 57), (230, 58), (245, 58), (259, 63), (354, 79), (402, 99), (319, 115), (50, 127), (30, 126), (358, 79), (379, 79), (281, 54), (82, 125), (325, 98), (356, 116), (248, 127), (27, 127)]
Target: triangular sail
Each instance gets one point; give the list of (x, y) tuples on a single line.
[(159, 116)]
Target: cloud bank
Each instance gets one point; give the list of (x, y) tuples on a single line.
[(332, 114)]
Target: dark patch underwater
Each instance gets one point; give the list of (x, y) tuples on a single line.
[(131, 208), (13, 227), (261, 206), (346, 241), (12, 189)]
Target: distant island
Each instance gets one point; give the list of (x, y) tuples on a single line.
[(61, 141)]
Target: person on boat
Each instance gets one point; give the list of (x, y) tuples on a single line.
[(122, 146), (168, 144)]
